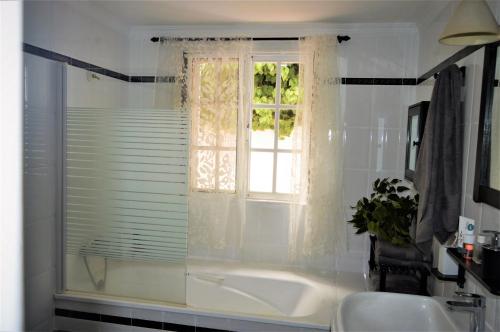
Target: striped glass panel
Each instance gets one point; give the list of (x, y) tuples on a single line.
[(126, 183)]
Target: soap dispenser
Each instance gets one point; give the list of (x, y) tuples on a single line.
[(491, 257)]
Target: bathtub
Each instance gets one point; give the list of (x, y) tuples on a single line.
[(217, 289), (263, 292)]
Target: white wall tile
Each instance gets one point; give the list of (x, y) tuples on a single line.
[(390, 54), (143, 329), (43, 96), (249, 326), (40, 241), (385, 149), (154, 315), (472, 210), (357, 147), (389, 105), (471, 160), (38, 303), (355, 186), (48, 325), (358, 104), (213, 322), (179, 318), (490, 218)]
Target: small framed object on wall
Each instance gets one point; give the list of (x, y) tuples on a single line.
[(417, 114)]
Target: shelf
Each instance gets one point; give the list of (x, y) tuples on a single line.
[(475, 270)]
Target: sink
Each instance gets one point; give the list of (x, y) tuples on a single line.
[(377, 311)]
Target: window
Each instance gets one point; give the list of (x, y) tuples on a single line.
[(214, 109), (273, 125), (273, 133)]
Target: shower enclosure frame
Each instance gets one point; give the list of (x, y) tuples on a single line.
[(61, 191)]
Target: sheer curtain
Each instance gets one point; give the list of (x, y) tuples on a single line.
[(208, 76), (213, 81), (316, 229)]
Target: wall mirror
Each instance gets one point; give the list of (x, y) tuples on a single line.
[(487, 177), (416, 121)]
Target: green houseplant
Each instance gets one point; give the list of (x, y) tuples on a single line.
[(388, 212)]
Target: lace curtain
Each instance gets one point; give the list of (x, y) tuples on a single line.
[(211, 85), (316, 229), (208, 76)]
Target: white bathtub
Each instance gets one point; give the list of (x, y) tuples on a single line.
[(262, 292), (220, 289)]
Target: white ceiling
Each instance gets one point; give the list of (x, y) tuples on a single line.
[(168, 12)]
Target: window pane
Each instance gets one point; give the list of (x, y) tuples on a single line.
[(261, 171), (203, 166), (289, 83), (208, 78), (289, 135), (264, 83), (215, 109), (215, 91), (204, 115), (227, 103), (227, 170), (205, 118), (284, 173), (262, 129)]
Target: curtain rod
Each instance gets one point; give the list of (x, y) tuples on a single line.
[(158, 39)]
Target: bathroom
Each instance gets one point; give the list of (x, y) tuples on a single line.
[(137, 211)]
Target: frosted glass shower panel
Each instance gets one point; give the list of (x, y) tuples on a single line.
[(126, 187)]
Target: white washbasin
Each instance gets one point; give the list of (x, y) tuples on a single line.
[(376, 311)]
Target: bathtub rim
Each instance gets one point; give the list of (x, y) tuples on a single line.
[(133, 303)]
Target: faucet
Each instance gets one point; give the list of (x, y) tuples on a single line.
[(474, 304)]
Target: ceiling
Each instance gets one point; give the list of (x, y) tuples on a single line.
[(167, 12)]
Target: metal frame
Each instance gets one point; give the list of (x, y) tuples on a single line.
[(482, 191), (61, 191), (420, 110)]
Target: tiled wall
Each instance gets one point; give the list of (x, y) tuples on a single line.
[(171, 319), (69, 29), (43, 105), (486, 217), (374, 119), (77, 29)]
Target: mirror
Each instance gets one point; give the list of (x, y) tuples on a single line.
[(415, 128), (487, 177)]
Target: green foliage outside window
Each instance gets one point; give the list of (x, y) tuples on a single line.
[(265, 93)]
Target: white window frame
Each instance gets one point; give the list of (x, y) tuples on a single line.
[(279, 59)]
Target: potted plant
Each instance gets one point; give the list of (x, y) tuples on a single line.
[(388, 213)]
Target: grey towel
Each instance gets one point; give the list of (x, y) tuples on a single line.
[(438, 174)]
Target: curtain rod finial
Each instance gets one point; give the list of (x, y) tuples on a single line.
[(342, 38)]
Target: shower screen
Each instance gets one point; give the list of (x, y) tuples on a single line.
[(125, 202)]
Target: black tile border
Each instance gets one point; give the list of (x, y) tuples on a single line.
[(171, 79), (31, 49), (150, 324), (126, 321)]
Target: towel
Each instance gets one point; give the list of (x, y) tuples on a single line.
[(438, 173)]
